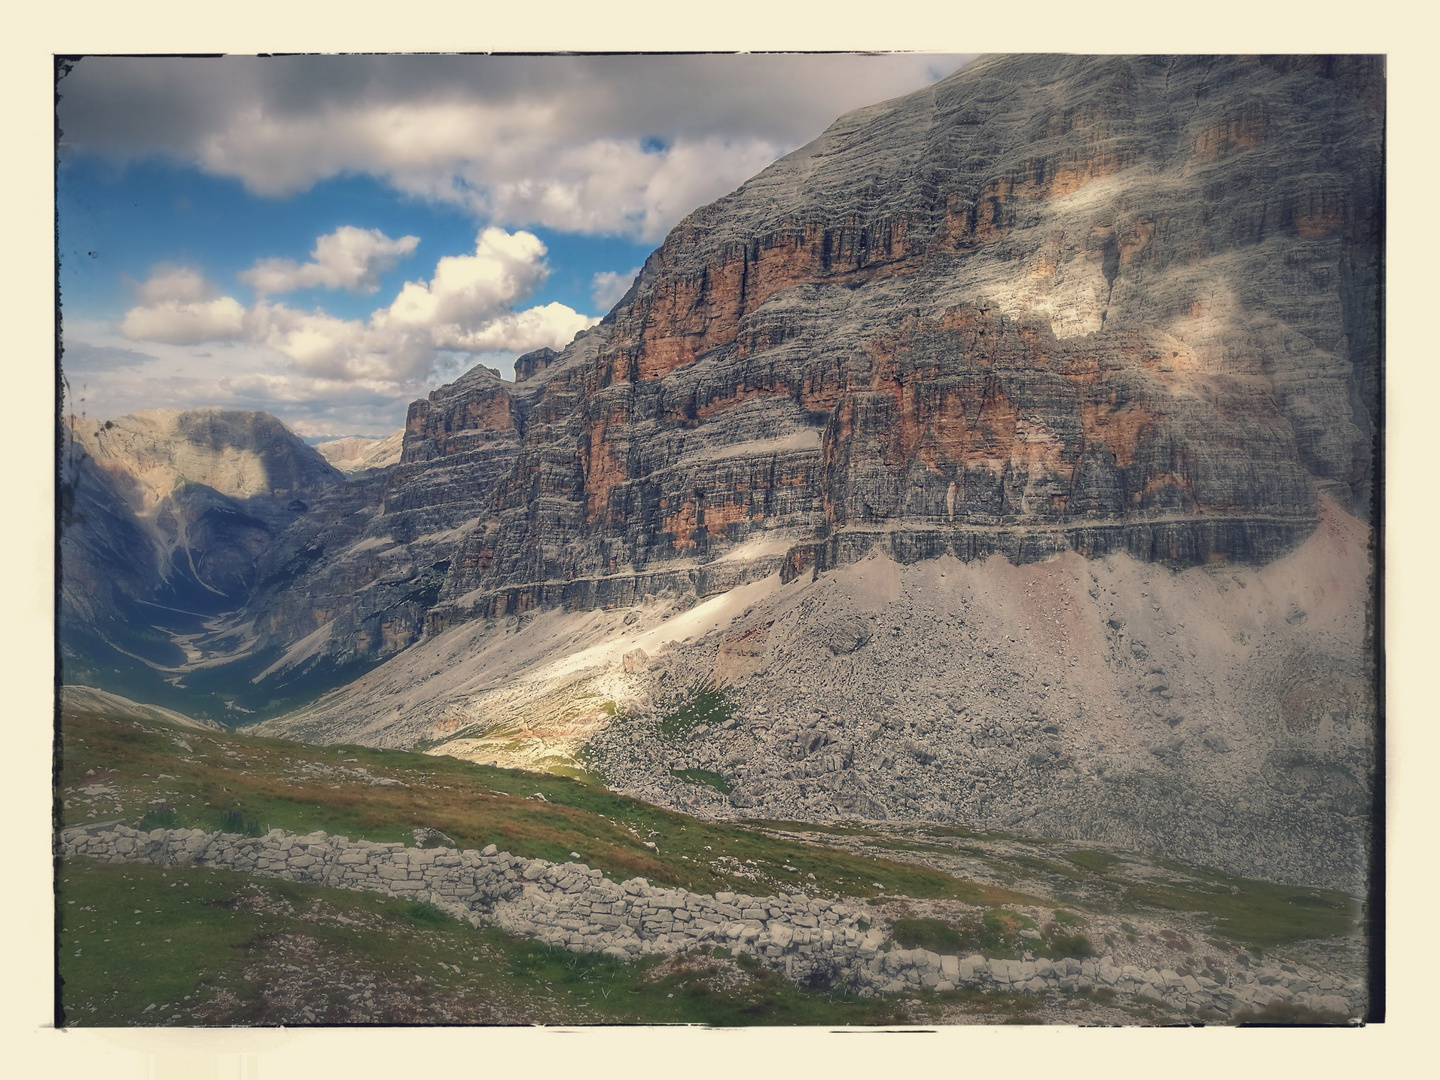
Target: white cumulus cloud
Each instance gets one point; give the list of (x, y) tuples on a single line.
[(551, 326), (349, 258), (179, 307), (324, 346), (469, 305), (622, 145), (178, 284), (468, 290), (607, 288)]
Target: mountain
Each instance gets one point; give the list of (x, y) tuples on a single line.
[(1051, 303), (1008, 453), (356, 454), (164, 516), (88, 699)]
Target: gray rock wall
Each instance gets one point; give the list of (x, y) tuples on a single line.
[(809, 940), (1049, 303)]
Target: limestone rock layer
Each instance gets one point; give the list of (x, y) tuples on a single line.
[(1048, 304)]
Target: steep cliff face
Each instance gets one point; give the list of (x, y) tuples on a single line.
[(353, 580), (1048, 304), (1051, 303)]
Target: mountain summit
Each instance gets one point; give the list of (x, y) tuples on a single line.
[(1095, 340)]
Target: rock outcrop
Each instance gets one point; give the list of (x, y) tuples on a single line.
[(814, 941), (1048, 304), (1050, 311)]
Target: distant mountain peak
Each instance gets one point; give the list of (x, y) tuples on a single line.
[(356, 454)]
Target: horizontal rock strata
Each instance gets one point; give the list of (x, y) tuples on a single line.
[(811, 941), (1047, 304)]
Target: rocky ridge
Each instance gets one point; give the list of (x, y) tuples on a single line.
[(811, 940), (1048, 304), (89, 699), (164, 516), (1042, 326), (357, 454)]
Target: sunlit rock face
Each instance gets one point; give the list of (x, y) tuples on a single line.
[(358, 455), (1049, 304), (1008, 453), (237, 454), (201, 493)]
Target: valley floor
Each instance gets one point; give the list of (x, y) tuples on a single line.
[(1221, 715), (214, 947)]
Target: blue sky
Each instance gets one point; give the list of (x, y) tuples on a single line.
[(326, 238), (116, 223)]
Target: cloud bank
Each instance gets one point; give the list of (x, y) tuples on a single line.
[(468, 305), (81, 355), (349, 258), (623, 145), (608, 288), (179, 307)]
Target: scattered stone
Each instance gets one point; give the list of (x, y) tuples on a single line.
[(578, 908)]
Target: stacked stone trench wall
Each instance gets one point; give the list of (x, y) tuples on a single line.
[(808, 940)]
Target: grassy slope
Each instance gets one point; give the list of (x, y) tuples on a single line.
[(193, 946), (239, 947), (298, 787), (278, 784), (1259, 915)]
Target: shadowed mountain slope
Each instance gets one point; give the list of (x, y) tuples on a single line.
[(1093, 339)]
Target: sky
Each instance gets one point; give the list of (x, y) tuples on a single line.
[(327, 238)]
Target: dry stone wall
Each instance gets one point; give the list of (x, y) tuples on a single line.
[(810, 940)]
